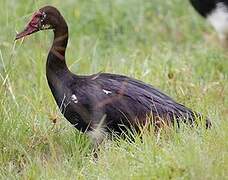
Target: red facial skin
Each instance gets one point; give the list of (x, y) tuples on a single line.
[(33, 26)]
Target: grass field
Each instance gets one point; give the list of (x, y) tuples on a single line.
[(164, 43)]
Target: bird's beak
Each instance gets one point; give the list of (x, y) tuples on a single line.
[(32, 27)]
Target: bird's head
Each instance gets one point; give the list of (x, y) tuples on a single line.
[(45, 18)]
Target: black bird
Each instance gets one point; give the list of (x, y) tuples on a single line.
[(216, 12), (103, 103)]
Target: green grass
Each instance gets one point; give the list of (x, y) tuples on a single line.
[(164, 43)]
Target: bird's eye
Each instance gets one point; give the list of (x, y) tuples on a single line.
[(43, 16)]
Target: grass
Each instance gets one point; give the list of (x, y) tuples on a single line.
[(164, 43)]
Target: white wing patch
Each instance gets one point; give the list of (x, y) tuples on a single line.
[(106, 91), (219, 20), (74, 98)]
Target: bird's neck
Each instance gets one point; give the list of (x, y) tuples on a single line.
[(56, 69), (56, 64), (56, 58)]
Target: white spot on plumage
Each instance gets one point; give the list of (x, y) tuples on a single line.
[(106, 91), (219, 20), (74, 98)]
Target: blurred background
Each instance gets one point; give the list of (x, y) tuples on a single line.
[(164, 43)]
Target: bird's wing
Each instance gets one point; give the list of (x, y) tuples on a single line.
[(133, 91), (113, 95)]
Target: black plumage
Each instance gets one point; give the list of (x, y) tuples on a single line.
[(101, 103), (203, 7), (206, 7), (216, 12)]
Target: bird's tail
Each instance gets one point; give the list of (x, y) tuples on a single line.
[(197, 118), (191, 117)]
